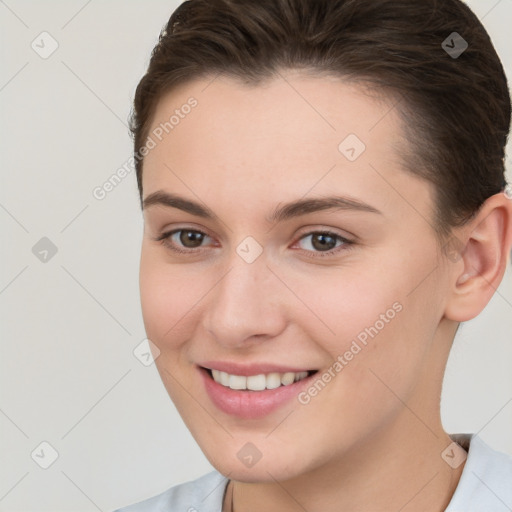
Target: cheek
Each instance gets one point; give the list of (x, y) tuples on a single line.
[(168, 295), (346, 305), (377, 346), (369, 321)]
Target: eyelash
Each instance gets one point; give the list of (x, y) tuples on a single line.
[(164, 239)]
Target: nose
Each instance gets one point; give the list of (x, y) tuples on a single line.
[(247, 305)]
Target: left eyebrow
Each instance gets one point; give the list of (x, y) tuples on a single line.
[(305, 206)]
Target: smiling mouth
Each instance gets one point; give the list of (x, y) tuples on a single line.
[(260, 382)]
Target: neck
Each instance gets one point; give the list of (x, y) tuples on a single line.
[(390, 471)]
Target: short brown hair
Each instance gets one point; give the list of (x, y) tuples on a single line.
[(456, 108)]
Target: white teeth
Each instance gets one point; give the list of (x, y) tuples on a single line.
[(257, 382), (273, 380), (237, 382), (287, 378), (224, 379)]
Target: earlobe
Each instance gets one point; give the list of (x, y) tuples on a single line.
[(484, 258)]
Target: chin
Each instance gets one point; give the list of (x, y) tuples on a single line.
[(268, 468), (257, 474)]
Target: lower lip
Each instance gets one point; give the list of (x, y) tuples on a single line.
[(250, 404)]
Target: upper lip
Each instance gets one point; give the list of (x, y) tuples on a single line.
[(251, 368)]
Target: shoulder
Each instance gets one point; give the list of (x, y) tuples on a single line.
[(204, 494), (486, 481)]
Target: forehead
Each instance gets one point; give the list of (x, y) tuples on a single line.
[(294, 106), (288, 136)]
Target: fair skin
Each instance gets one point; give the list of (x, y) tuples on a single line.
[(372, 439)]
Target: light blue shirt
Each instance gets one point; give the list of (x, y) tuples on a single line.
[(485, 486)]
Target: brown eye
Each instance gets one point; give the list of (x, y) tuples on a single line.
[(190, 239), (183, 240), (322, 241)]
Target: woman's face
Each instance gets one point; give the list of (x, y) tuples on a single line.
[(298, 244)]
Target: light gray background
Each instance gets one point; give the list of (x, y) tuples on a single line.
[(68, 375)]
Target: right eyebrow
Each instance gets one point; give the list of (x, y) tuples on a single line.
[(173, 201)]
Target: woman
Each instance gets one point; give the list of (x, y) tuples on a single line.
[(324, 201)]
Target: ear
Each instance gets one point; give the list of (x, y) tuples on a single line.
[(484, 252)]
